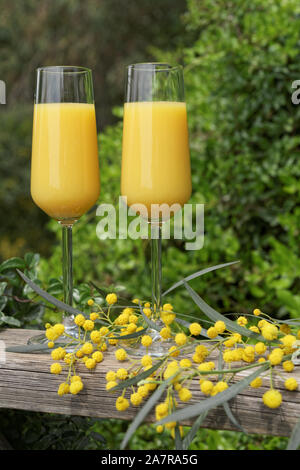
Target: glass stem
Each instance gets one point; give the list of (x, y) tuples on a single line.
[(156, 237), (67, 268)]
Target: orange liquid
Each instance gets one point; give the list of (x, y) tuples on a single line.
[(155, 157), (65, 179)]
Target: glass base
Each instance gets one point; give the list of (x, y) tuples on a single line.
[(63, 341), (38, 339), (158, 348)]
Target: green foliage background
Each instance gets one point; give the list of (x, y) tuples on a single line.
[(104, 35), (245, 164), (240, 59)]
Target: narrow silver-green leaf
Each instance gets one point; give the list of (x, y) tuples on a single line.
[(136, 334), (149, 322), (294, 441), (293, 322), (34, 348), (134, 380), (192, 318), (220, 360), (28, 348), (102, 292), (198, 274), (226, 406), (212, 402), (232, 418), (145, 411), (52, 300), (178, 440), (192, 432), (216, 316), (122, 302)]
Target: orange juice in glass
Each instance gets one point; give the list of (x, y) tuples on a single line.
[(64, 171), (155, 158)]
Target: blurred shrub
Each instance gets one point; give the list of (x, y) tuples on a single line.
[(18, 307), (22, 222), (100, 35), (245, 165), (245, 140), (27, 430), (103, 35), (45, 431)]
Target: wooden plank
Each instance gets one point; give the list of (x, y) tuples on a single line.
[(26, 383)]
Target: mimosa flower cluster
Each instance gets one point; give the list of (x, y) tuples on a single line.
[(190, 355)]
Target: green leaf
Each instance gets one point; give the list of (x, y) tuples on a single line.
[(257, 291), (137, 378), (136, 334), (193, 431), (145, 410), (31, 259), (178, 440), (33, 348), (197, 274), (28, 348), (12, 263), (212, 402), (294, 322), (3, 302), (2, 287), (56, 288), (97, 436), (52, 300), (102, 292), (220, 360), (11, 321), (150, 323), (294, 440), (291, 301), (122, 302), (216, 316), (226, 406), (232, 418)]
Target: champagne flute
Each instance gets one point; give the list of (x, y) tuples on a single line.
[(155, 154), (65, 179)]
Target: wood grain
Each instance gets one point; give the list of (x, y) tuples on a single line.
[(26, 384)]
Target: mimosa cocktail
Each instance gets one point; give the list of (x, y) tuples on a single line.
[(65, 180), (156, 172)]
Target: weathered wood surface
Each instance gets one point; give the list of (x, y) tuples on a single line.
[(26, 384)]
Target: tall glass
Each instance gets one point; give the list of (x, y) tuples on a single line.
[(65, 179), (155, 157)]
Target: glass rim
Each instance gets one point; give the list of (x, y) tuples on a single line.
[(64, 69), (157, 66)]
